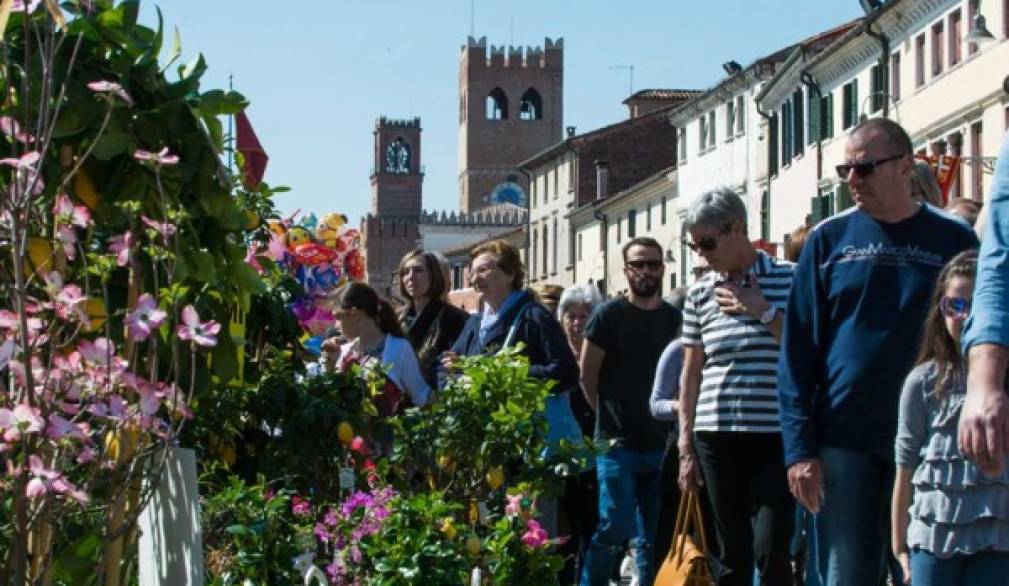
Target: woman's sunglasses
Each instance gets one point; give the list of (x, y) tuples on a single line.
[(863, 168), (954, 306), (708, 243)]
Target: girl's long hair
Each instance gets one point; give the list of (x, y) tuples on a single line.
[(937, 346), (364, 298)]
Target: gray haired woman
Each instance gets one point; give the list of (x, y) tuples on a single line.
[(729, 426), (580, 502)]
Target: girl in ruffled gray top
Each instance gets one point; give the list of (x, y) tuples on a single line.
[(950, 522)]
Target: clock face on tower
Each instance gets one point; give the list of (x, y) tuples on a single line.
[(508, 192)]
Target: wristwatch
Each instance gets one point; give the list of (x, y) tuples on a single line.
[(768, 316)]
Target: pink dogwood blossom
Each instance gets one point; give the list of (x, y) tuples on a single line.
[(9, 126), (68, 213), (21, 419), (110, 88), (25, 161), (163, 228), (145, 318), (192, 329), (70, 303), (162, 157), (122, 246)]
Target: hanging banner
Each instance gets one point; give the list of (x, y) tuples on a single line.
[(945, 168)]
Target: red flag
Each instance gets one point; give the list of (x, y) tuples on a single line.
[(252, 150)]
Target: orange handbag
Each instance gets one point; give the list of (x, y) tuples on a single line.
[(686, 564)]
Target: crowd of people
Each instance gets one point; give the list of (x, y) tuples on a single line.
[(840, 413)]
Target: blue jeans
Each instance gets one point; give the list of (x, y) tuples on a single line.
[(852, 528), (628, 498), (986, 568)]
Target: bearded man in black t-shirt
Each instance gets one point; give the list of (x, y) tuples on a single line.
[(623, 342)]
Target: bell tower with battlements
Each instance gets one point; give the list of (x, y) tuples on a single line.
[(397, 176), (510, 108)]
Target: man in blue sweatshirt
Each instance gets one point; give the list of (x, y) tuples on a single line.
[(859, 297)]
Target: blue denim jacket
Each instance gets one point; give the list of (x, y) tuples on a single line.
[(989, 317)]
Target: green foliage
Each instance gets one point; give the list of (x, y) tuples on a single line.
[(250, 533)]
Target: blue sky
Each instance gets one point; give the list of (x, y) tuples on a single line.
[(319, 72)]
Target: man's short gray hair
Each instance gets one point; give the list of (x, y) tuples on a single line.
[(586, 295), (717, 208)]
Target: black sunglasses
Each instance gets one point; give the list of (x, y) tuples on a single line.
[(864, 168), (708, 243), (637, 265)]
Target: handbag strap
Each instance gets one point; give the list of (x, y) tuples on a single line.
[(688, 515)]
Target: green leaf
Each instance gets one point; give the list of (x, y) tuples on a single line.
[(221, 103), (111, 144), (176, 51), (238, 530)]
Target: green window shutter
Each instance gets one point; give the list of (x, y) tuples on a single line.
[(813, 103), (843, 197), (829, 118), (855, 104)]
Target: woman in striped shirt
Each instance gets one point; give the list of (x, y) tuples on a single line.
[(729, 437)]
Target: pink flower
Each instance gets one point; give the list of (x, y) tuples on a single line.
[(163, 228), (162, 157), (68, 213), (70, 303), (97, 352), (300, 507), (251, 260), (68, 240), (200, 333), (22, 419), (36, 488), (60, 428), (535, 535), (145, 318), (122, 245), (6, 352), (358, 445), (25, 161), (20, 6), (277, 248), (9, 126), (110, 88)]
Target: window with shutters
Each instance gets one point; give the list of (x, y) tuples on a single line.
[(702, 133), (681, 149), (620, 226), (850, 104), (895, 76), (877, 90), (765, 215), (977, 170), (772, 144), (546, 251), (730, 119), (535, 253), (648, 218), (711, 129), (937, 52), (813, 116), (662, 211), (632, 224), (798, 142), (919, 60), (827, 116), (955, 37), (579, 247), (740, 115), (553, 255), (786, 132)]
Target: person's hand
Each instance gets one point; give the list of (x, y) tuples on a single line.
[(690, 471), (904, 559), (449, 360), (735, 300), (984, 429), (805, 482)]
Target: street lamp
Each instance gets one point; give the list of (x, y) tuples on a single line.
[(979, 33)]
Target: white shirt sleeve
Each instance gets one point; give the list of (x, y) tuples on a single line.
[(405, 371)]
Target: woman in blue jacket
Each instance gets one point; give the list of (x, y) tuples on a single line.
[(511, 315)]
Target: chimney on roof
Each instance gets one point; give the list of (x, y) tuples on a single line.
[(571, 131), (602, 179)]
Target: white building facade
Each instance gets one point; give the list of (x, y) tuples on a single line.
[(909, 61)]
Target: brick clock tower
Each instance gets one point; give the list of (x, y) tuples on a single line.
[(391, 229), (510, 108)]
